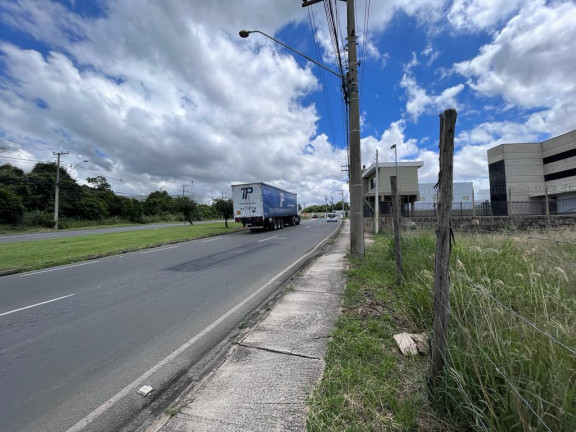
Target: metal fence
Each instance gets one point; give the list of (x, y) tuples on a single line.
[(486, 208)]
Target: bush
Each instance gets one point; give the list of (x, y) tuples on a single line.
[(11, 208), (37, 218)]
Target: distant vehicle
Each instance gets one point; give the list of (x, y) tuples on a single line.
[(314, 216), (331, 217), (260, 206)]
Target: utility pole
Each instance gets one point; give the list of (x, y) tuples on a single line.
[(356, 216), (57, 193)]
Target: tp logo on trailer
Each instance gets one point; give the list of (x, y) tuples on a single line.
[(246, 191), (281, 200)]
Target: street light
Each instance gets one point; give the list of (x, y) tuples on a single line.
[(350, 83), (245, 33), (395, 160), (72, 168)]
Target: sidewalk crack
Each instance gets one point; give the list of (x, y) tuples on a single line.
[(279, 351)]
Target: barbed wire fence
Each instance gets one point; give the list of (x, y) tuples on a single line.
[(544, 410)]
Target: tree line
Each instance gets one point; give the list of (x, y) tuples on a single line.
[(325, 208), (28, 199)]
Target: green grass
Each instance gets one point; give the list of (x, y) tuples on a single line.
[(367, 384), (24, 256), (510, 365)]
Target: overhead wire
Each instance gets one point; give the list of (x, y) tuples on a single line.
[(324, 89)]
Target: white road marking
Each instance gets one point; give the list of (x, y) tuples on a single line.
[(212, 239), (37, 304), (59, 268), (307, 227), (266, 239), (157, 250), (146, 375)]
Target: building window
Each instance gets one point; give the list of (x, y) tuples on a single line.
[(560, 156), (466, 198), (560, 174)]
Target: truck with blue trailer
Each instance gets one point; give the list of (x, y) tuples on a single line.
[(260, 206)]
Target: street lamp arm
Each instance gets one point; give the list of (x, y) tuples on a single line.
[(246, 33)]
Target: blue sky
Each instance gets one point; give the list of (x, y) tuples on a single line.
[(157, 95)]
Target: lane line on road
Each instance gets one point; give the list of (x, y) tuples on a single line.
[(59, 268), (212, 239), (37, 304), (157, 250), (266, 239), (309, 226), (142, 378)]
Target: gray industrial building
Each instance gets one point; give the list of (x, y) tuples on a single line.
[(534, 178), (407, 186)]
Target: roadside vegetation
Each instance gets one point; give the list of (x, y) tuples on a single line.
[(27, 202), (24, 256), (511, 362)]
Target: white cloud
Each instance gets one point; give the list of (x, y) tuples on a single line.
[(406, 148), (530, 63), (168, 96), (476, 15), (420, 102)]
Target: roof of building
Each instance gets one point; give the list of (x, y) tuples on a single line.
[(372, 168)]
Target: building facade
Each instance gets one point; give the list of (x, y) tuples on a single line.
[(407, 186), (534, 178)]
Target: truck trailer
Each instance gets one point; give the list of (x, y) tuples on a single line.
[(260, 206)]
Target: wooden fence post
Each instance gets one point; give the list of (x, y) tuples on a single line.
[(397, 227), (443, 245)]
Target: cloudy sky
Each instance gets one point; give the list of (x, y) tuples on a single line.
[(157, 94)]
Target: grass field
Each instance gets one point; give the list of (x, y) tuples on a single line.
[(24, 256), (511, 362)]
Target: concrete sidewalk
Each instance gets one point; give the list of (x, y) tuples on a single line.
[(265, 381)]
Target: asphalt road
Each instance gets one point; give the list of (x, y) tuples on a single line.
[(13, 238), (78, 341)]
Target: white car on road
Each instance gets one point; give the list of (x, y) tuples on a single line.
[(331, 217)]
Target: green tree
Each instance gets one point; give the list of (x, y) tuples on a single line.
[(134, 210), (186, 206), (13, 179), (157, 203), (99, 183), (42, 183), (91, 207), (11, 208), (225, 207)]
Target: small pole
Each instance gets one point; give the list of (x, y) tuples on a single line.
[(473, 205), (376, 199), (547, 204), (443, 246), (396, 217)]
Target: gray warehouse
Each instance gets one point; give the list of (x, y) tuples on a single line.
[(534, 178)]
